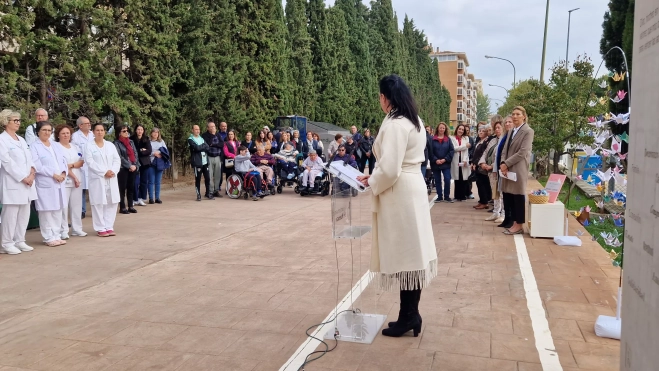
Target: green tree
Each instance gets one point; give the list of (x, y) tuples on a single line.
[(302, 85), (482, 107), (558, 110), (618, 30)]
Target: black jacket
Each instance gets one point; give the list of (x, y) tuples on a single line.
[(123, 154), (472, 148), (366, 144), (351, 148), (426, 151), (251, 146), (215, 149), (196, 151), (143, 149), (478, 151)]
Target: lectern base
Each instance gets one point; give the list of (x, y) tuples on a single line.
[(357, 327), (353, 232)]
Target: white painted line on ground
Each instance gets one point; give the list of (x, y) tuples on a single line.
[(544, 343), (310, 345)]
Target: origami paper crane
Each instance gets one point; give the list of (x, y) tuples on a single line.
[(615, 99), (585, 223), (579, 233), (621, 94), (616, 263), (603, 85), (602, 100), (624, 137), (615, 145), (618, 77), (622, 156), (600, 205), (611, 74), (613, 254), (604, 176), (592, 103)]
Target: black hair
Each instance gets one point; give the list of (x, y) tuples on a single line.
[(242, 148), (97, 124), (117, 132), (145, 137), (394, 88)]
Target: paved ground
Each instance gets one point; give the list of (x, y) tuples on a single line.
[(233, 284)]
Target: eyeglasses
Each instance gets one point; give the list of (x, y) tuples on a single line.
[(46, 130), (15, 120), (124, 131)]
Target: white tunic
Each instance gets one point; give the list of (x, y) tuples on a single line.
[(17, 163), (81, 140), (99, 160), (49, 161), (72, 155)]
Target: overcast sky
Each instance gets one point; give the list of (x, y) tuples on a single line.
[(511, 29)]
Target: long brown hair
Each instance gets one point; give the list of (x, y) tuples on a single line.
[(445, 128)]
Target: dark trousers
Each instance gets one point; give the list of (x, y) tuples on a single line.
[(371, 163), (136, 186), (447, 182), (516, 206), (460, 192), (484, 188), (126, 181), (198, 172), (256, 180)]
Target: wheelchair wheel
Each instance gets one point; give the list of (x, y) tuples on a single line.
[(234, 186), (246, 195), (273, 192), (279, 189), (297, 189)]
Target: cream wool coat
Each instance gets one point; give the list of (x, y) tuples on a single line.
[(516, 154), (403, 254), (460, 149)]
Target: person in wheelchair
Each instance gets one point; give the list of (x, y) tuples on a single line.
[(265, 162), (342, 155), (243, 166), (287, 158), (313, 167)]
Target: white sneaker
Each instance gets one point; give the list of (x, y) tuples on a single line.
[(64, 236), (11, 250), (141, 202), (79, 234), (24, 247), (499, 220), (492, 217)]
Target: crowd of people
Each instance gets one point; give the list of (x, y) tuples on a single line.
[(56, 169), (502, 146)]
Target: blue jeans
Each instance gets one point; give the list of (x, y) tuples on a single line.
[(84, 201), (154, 176), (136, 187), (447, 182), (143, 180), (423, 170)]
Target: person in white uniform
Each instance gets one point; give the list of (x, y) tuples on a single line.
[(52, 171), (73, 183), (80, 138), (17, 174), (103, 163), (31, 131)]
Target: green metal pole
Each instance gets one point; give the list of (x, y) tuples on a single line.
[(544, 45)]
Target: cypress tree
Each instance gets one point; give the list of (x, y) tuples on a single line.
[(302, 89)]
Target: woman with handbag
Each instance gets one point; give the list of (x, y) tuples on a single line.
[(143, 145), (482, 180), (460, 169), (130, 167), (154, 173)]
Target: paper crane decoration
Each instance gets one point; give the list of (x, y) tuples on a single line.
[(618, 77), (603, 85), (584, 216), (592, 103), (615, 145), (624, 137), (604, 176)]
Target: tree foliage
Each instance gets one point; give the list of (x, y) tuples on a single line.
[(558, 111), (175, 63), (483, 105), (618, 30)]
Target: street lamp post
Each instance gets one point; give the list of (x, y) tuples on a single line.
[(567, 48), (511, 63), (499, 86), (544, 45)]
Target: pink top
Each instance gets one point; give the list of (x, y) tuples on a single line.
[(233, 144)]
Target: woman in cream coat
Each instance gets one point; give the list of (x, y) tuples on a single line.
[(460, 169), (17, 174), (52, 171), (403, 254), (103, 163)]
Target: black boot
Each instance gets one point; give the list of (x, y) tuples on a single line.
[(409, 318), (416, 307)]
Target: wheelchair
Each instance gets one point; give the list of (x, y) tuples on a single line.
[(430, 179), (321, 185), (239, 185)]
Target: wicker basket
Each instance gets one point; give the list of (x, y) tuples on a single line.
[(534, 199)]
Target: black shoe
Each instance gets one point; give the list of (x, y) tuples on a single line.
[(210, 197), (409, 318), (83, 215), (415, 299), (124, 211), (198, 198), (438, 200), (158, 201), (218, 194), (132, 210), (151, 202), (505, 224), (450, 200)]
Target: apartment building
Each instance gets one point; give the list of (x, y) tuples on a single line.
[(462, 85)]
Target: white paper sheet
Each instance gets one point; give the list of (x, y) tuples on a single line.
[(347, 174), (511, 176)]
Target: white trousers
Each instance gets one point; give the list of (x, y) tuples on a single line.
[(14, 224), (498, 206), (74, 208), (50, 223), (309, 177), (104, 215)]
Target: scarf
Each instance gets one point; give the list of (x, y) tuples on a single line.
[(459, 139), (129, 148), (441, 140)]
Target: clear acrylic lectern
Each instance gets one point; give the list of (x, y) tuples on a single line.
[(348, 226)]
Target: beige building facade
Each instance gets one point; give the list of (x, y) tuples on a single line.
[(462, 85)]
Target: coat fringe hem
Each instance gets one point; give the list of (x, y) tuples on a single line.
[(406, 280)]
